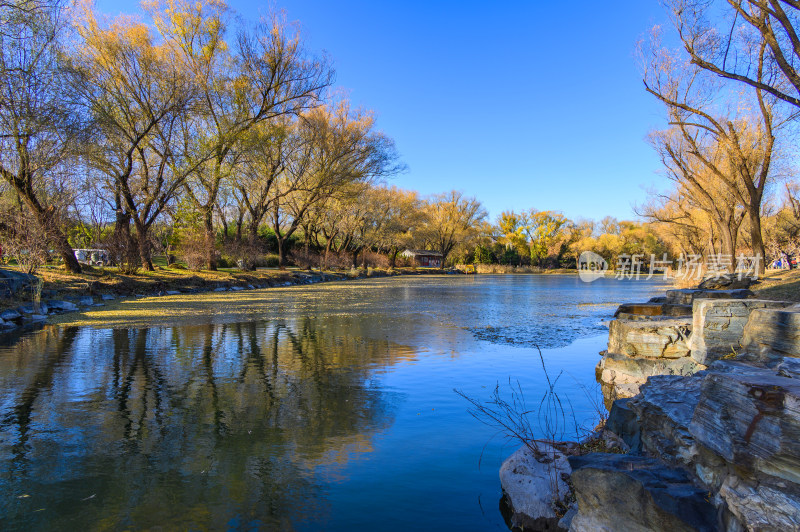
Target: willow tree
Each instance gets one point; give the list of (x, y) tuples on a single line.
[(336, 148), (453, 219), (264, 74), (136, 95), (38, 127)]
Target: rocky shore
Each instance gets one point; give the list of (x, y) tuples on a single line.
[(703, 432)]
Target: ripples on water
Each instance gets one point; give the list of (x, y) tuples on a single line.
[(328, 407)]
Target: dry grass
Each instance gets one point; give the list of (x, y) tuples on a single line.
[(779, 285), (59, 284)]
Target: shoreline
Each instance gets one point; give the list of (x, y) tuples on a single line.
[(65, 310)]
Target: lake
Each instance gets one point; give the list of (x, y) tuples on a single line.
[(324, 407)]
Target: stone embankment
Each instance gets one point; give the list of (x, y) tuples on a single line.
[(704, 423)]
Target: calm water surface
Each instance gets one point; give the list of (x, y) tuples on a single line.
[(328, 407)]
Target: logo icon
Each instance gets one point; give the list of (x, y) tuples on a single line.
[(591, 266)]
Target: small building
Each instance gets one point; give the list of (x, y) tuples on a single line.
[(423, 258)]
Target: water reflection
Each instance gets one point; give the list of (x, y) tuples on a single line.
[(212, 425)]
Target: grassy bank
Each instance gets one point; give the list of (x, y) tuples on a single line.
[(779, 285), (60, 285)]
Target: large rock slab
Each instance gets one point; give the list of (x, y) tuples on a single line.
[(532, 485), (663, 410), (772, 331), (757, 506), (624, 375), (718, 325), (726, 282), (12, 282), (635, 493), (651, 339), (750, 417), (651, 310), (686, 296)]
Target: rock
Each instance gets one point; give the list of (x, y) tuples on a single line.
[(236, 288), (220, 289), (107, 297), (533, 485), (626, 374), (10, 315), (751, 418), (86, 301), (32, 308), (726, 282), (686, 296), (623, 422), (566, 521), (629, 492), (651, 309), (36, 317), (251, 287), (653, 339), (173, 292), (63, 306), (12, 282), (773, 331), (789, 367), (663, 410), (760, 507), (718, 325)]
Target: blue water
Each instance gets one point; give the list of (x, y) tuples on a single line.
[(328, 407)]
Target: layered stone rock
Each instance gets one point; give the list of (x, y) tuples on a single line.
[(638, 350), (628, 492), (718, 326), (735, 428), (727, 282), (623, 376), (651, 339), (770, 332), (686, 296), (651, 310)]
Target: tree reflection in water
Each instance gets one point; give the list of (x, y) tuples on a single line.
[(202, 426)]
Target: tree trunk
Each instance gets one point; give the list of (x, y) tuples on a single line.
[(44, 217), (144, 247), (756, 238), (208, 223), (281, 253)]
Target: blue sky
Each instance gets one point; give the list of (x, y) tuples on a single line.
[(521, 104)]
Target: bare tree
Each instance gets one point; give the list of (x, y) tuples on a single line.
[(38, 127), (749, 38), (705, 115)]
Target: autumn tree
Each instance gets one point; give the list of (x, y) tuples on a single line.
[(739, 128), (337, 148), (265, 73), (136, 96), (38, 125), (452, 219)]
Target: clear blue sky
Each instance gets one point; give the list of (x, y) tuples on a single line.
[(521, 104)]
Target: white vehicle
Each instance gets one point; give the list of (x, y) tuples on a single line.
[(93, 257)]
